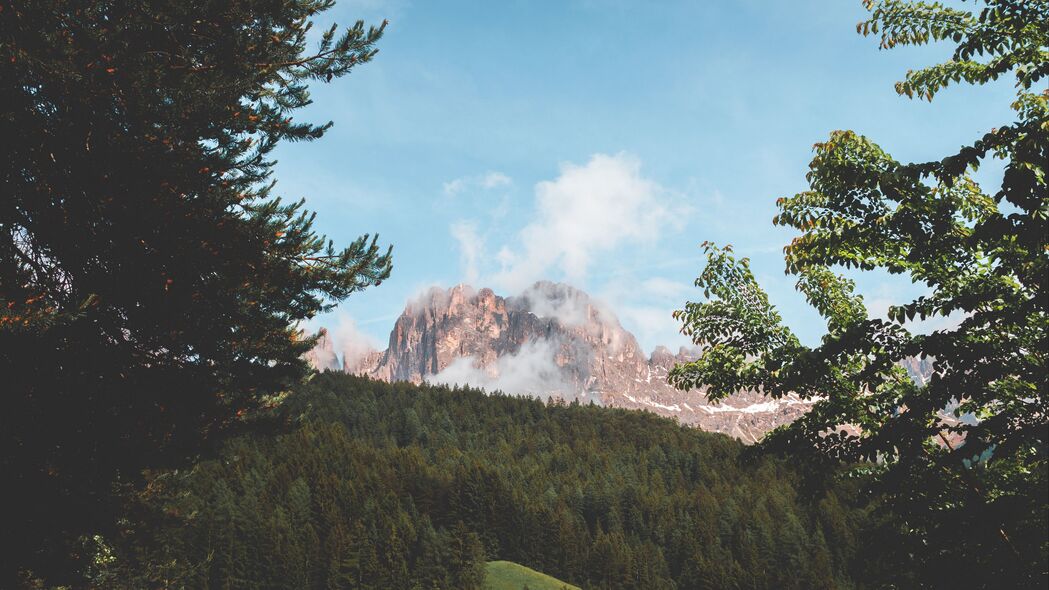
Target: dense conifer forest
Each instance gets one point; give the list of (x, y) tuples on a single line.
[(377, 485)]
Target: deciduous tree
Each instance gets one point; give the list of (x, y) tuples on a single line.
[(961, 459)]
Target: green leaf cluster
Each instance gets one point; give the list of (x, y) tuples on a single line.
[(961, 459)]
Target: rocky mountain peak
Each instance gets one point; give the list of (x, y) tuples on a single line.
[(323, 356), (553, 341)]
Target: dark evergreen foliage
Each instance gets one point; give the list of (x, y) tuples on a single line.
[(399, 486), (150, 283)]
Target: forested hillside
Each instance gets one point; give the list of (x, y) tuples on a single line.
[(378, 485), (162, 428)]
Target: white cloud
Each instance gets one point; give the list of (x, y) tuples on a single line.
[(645, 308), (486, 181), (582, 219), (653, 325), (586, 211), (495, 179), (471, 248), (349, 342), (348, 345), (665, 288), (531, 371), (454, 187), (505, 257), (573, 308), (567, 305)]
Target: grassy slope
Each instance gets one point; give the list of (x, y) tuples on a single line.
[(507, 575)]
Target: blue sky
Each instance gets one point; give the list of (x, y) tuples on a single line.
[(600, 142)]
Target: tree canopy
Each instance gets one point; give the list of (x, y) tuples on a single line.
[(151, 282), (394, 485), (961, 458)]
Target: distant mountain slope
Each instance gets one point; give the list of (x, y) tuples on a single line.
[(553, 341)]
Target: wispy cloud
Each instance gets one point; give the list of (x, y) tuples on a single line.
[(486, 181), (587, 211), (471, 248), (581, 220), (662, 288), (532, 370)]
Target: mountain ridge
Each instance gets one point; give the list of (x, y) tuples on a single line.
[(551, 341)]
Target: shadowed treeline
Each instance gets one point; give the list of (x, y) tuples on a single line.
[(398, 486)]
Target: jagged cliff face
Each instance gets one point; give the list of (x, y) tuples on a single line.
[(554, 341), (323, 356), (920, 369)]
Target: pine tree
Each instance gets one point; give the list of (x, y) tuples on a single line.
[(151, 282)]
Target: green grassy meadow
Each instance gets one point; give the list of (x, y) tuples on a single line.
[(507, 575)]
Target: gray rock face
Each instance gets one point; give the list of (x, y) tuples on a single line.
[(555, 341), (920, 369)]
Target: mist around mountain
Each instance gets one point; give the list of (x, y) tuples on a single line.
[(551, 341)]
